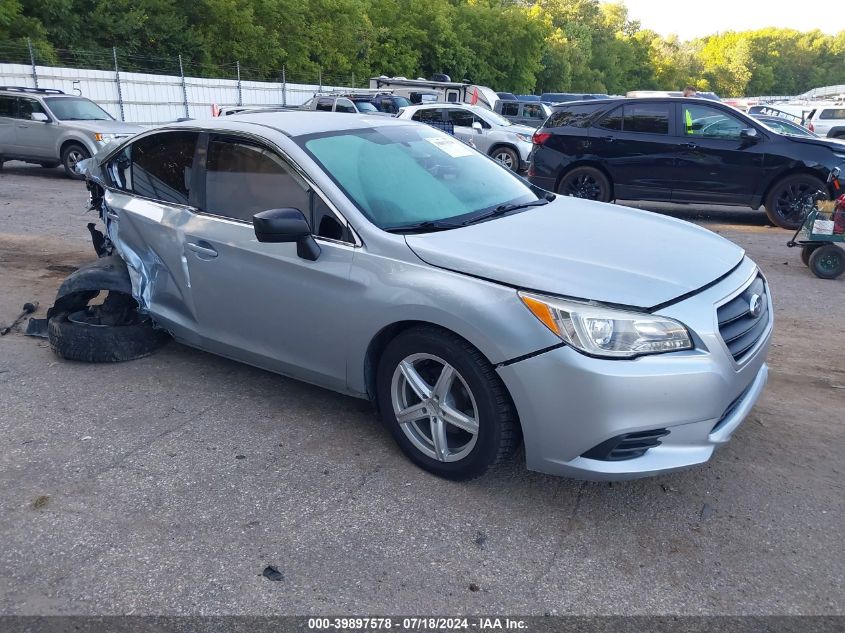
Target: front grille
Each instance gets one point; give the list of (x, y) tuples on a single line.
[(628, 446), (739, 326)]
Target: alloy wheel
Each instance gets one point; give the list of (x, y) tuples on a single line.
[(505, 158), (73, 157), (434, 407), (583, 186), (794, 201)]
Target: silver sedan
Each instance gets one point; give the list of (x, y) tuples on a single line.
[(387, 260)]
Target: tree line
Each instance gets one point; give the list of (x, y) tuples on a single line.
[(516, 45)]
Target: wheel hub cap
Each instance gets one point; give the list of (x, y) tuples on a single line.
[(434, 407)]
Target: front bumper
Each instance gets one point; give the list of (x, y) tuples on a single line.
[(569, 403)]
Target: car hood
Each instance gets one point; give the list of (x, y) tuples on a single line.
[(106, 126), (520, 129), (831, 143), (586, 250)]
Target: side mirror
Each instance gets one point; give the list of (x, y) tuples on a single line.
[(477, 127), (286, 225), (39, 116), (749, 134)]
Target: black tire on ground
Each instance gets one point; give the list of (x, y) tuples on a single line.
[(785, 202), (51, 164), (498, 432), (76, 336), (806, 251), (828, 261), (71, 155), (507, 156), (586, 182)]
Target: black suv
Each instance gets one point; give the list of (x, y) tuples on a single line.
[(680, 150)]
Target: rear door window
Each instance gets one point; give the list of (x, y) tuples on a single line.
[(646, 118), (8, 106), (428, 114), (162, 166), (613, 121), (832, 113), (344, 105), (534, 111)]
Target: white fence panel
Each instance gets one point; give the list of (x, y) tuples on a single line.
[(151, 99)]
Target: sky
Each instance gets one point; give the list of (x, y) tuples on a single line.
[(693, 18)]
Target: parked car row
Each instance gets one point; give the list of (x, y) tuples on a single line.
[(646, 148)]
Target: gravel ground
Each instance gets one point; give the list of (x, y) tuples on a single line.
[(167, 485)]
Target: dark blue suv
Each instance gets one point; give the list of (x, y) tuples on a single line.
[(680, 150)]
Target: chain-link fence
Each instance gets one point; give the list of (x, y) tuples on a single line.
[(152, 90)]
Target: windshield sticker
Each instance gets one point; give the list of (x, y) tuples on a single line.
[(451, 146)]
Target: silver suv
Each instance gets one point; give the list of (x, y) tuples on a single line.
[(828, 120), (351, 103), (491, 133), (50, 128)]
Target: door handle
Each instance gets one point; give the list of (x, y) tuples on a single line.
[(203, 248), (690, 145)]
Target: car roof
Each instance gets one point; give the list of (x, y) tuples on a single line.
[(295, 123), (447, 104), (27, 93)]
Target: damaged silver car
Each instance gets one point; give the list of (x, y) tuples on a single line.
[(386, 260)]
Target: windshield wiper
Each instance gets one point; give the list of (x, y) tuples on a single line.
[(428, 226), (502, 209)]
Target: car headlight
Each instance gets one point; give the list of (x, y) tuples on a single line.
[(607, 332), (524, 138), (104, 138)]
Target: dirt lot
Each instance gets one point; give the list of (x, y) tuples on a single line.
[(167, 485)]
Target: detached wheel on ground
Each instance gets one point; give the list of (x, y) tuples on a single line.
[(806, 251), (828, 261), (507, 156), (444, 404), (71, 155), (788, 200), (111, 332), (585, 182)]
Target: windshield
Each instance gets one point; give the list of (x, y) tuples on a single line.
[(785, 127), (399, 176), (401, 102), (365, 106), (77, 109)]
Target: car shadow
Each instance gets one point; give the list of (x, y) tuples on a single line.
[(704, 213), (18, 168)]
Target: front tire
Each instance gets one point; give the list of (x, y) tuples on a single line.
[(828, 261), (507, 157), (71, 155), (444, 404), (586, 182), (787, 202)]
